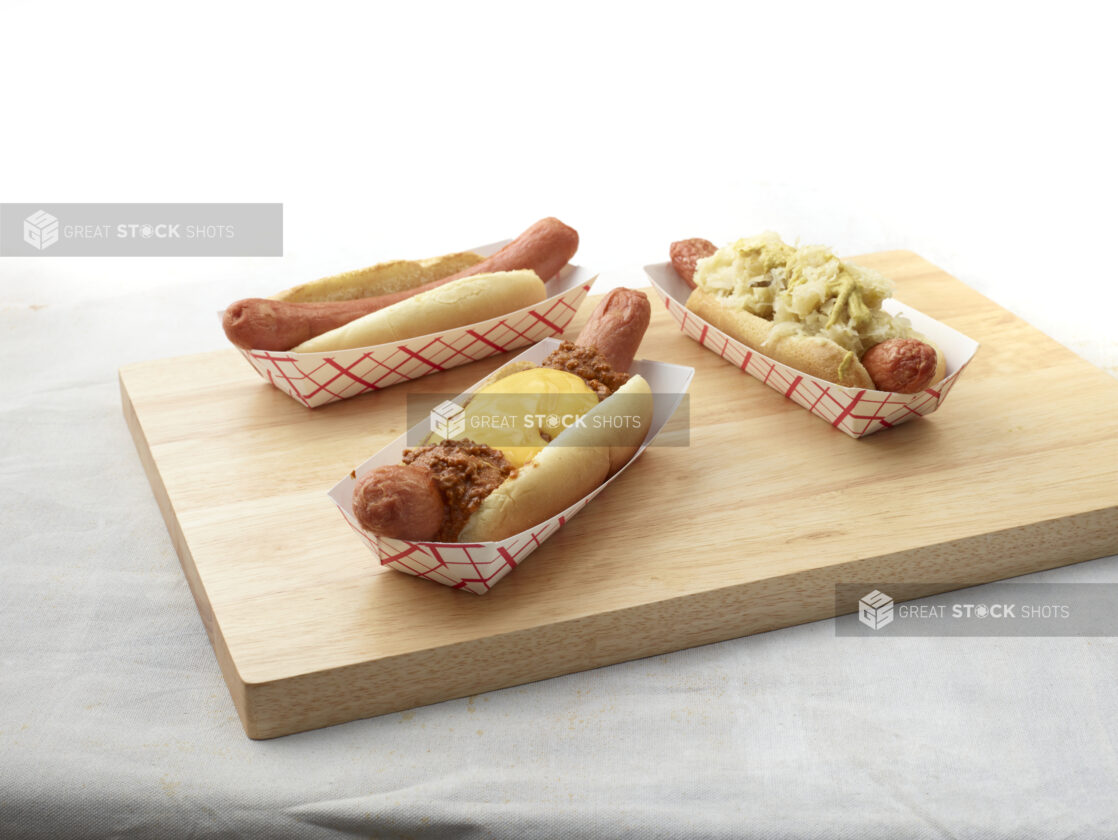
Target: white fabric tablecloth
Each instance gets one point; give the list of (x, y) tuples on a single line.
[(980, 136), (116, 721)]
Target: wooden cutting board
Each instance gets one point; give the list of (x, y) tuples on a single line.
[(747, 529)]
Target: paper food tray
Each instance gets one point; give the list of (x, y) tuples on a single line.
[(316, 379), (477, 567), (856, 411)]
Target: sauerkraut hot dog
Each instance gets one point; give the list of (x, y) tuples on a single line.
[(494, 484), (298, 315), (806, 308)]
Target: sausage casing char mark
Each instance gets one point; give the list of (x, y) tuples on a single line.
[(616, 326), (900, 365), (263, 324), (686, 253)]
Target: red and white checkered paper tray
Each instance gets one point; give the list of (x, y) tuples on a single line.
[(316, 379), (476, 567), (856, 411)]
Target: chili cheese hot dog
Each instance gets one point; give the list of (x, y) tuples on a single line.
[(470, 490), (270, 324), (810, 310)]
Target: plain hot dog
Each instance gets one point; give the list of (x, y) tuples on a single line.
[(469, 490), (267, 324), (806, 308)]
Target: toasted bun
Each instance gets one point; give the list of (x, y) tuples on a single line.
[(566, 469), (814, 355), (941, 365), (454, 304), (380, 279)]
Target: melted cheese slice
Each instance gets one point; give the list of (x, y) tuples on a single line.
[(522, 412)]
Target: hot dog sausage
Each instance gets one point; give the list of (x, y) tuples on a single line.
[(616, 326), (686, 253), (401, 500), (901, 365), (545, 247), (263, 324)]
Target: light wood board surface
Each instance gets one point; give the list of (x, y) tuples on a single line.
[(747, 529)]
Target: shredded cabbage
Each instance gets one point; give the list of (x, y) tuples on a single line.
[(803, 291)]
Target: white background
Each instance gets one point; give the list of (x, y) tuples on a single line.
[(978, 135)]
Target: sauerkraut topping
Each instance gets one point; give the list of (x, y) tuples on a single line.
[(803, 291)]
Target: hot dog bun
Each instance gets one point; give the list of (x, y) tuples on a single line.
[(567, 469), (383, 278), (815, 356), (464, 301)]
